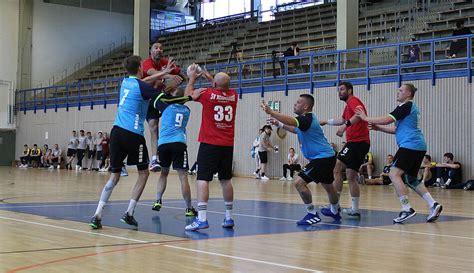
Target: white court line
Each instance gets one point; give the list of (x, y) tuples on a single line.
[(244, 259), (71, 229), (270, 218)]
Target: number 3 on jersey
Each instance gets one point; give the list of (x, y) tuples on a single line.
[(223, 113)]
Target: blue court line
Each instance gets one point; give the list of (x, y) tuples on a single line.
[(251, 217)]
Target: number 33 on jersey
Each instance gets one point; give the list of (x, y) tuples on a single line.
[(218, 117)]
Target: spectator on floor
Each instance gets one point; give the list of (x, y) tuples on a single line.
[(383, 179), (427, 168), (458, 46), (25, 159), (292, 165), (55, 157), (449, 173)]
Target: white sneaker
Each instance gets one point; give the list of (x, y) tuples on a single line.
[(77, 167), (283, 178), (256, 175), (289, 178), (351, 212), (51, 167), (265, 178)]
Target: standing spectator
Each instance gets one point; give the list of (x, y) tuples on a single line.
[(71, 150), (105, 152), (414, 52), (292, 165), (98, 148), (25, 159), (81, 149), (293, 50), (254, 153), (55, 158), (450, 171), (91, 150), (383, 179), (263, 147), (458, 45), (427, 177), (35, 156)]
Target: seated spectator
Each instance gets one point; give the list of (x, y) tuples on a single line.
[(383, 179), (368, 166), (292, 165), (55, 158), (427, 167), (45, 153), (449, 173), (25, 159), (293, 50), (458, 46), (35, 156)]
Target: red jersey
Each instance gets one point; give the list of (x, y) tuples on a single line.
[(149, 64), (360, 130), (218, 117)]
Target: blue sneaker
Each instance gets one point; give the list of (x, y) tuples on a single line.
[(228, 223), (196, 225), (309, 219), (327, 212)]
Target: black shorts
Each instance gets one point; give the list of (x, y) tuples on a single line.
[(100, 156), (124, 144), (386, 180), (263, 156), (91, 154), (55, 160), (353, 154), (319, 170), (71, 152), (408, 160), (213, 159), (152, 113), (175, 153)]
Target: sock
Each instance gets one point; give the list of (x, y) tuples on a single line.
[(228, 210), (202, 211), (334, 208), (104, 197), (100, 207), (263, 174), (310, 208), (153, 157), (370, 177), (438, 180), (131, 206), (429, 199), (355, 203), (448, 182), (405, 203), (257, 171)]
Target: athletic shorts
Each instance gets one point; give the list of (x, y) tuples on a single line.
[(408, 160), (263, 156), (353, 154), (386, 180), (71, 152), (125, 144), (152, 113), (175, 153), (55, 160), (213, 159), (99, 155), (319, 170)]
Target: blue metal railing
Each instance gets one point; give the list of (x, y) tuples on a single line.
[(317, 70)]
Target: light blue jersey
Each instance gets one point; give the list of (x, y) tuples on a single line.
[(313, 143), (132, 107), (174, 119), (408, 134)]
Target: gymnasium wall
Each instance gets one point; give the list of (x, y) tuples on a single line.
[(447, 122), (64, 35)]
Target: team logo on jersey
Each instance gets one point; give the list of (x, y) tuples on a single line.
[(222, 98)]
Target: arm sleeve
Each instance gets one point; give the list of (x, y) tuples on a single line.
[(304, 122), (401, 111)]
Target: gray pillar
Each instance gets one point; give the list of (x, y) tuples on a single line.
[(25, 35), (141, 28), (347, 24)]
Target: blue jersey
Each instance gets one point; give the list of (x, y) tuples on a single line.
[(408, 135), (174, 119), (313, 143)]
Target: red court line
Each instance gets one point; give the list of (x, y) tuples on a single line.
[(80, 256)]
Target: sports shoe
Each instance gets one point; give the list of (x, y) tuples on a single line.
[(95, 223), (124, 171), (157, 205), (51, 167), (351, 212), (129, 220), (309, 219), (469, 186), (289, 178), (264, 178), (283, 178), (257, 175), (327, 212), (189, 212), (404, 215), (228, 223), (435, 211), (155, 166), (196, 225)]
